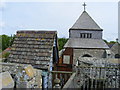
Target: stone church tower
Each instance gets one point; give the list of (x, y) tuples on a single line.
[(85, 27), (85, 40)]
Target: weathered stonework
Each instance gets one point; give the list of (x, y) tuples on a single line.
[(24, 76), (97, 73), (6, 80), (99, 53)]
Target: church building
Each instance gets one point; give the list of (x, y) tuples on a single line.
[(85, 40)]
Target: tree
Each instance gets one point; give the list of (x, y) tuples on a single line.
[(62, 42), (105, 41), (112, 42), (12, 39), (6, 41)]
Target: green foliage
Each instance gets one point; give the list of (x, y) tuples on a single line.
[(112, 42), (62, 42), (12, 39), (0, 50), (6, 41), (105, 41), (5, 55)]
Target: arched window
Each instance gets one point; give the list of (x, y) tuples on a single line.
[(117, 56), (86, 55)]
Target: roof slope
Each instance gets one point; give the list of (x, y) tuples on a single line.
[(85, 22), (116, 48), (110, 44), (33, 47), (85, 43)]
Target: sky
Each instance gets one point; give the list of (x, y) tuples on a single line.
[(57, 16)]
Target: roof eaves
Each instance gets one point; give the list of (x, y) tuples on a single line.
[(87, 29)]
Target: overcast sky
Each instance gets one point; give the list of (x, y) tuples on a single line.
[(58, 16)]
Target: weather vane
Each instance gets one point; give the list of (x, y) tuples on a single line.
[(84, 6)]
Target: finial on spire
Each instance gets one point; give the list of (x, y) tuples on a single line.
[(84, 6)]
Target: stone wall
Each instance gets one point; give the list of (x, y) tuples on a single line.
[(94, 73), (97, 73), (24, 76), (6, 81), (100, 53)]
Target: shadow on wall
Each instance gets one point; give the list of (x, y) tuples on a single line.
[(117, 56), (86, 55)]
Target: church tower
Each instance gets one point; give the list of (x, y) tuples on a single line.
[(85, 40), (85, 27)]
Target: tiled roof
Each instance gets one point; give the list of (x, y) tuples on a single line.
[(85, 43), (85, 22), (33, 47)]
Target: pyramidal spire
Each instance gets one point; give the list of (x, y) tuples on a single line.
[(85, 22)]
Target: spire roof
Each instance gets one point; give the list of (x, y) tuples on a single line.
[(85, 22)]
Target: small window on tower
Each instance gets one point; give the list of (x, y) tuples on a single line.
[(81, 35), (85, 35), (90, 35)]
